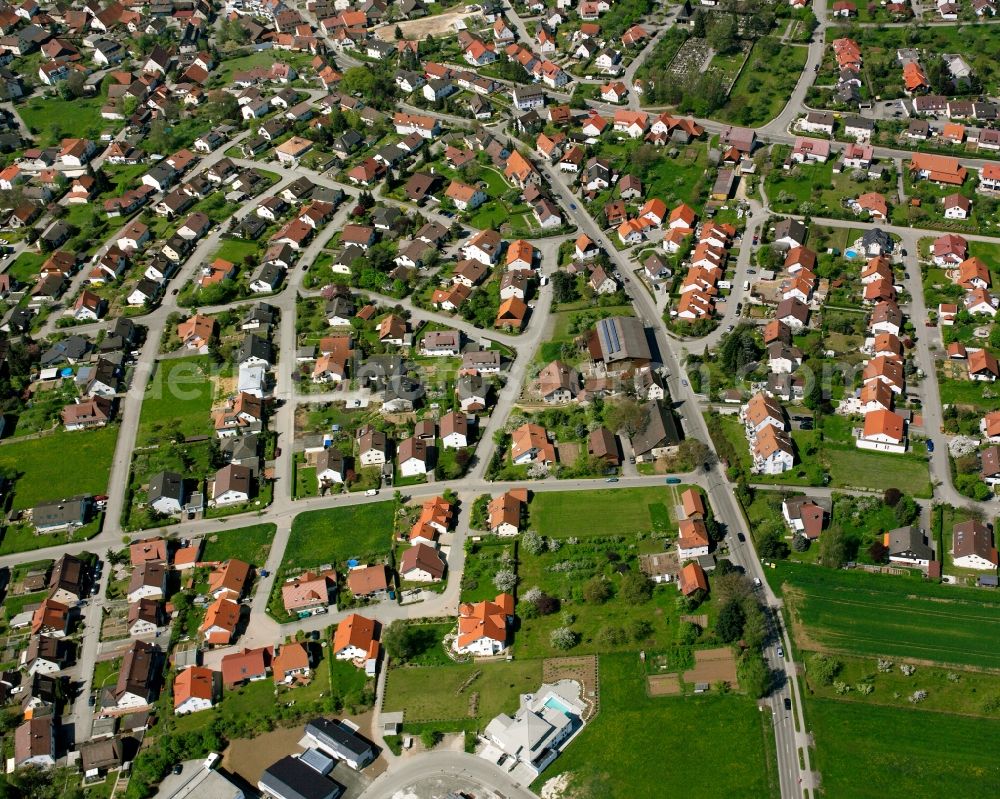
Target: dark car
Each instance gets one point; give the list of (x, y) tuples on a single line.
[(178, 768), (788, 703), (741, 537)]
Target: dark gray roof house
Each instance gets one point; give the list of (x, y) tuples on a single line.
[(341, 742), (660, 431), (291, 778)]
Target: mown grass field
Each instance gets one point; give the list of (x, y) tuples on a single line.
[(870, 752), (707, 746), (864, 614), (61, 465), (178, 398), (431, 693), (249, 544), (336, 534), (614, 511)]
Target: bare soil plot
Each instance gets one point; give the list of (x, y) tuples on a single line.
[(420, 29), (663, 685), (712, 665)]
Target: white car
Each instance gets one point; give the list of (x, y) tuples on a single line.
[(371, 492), (212, 760)]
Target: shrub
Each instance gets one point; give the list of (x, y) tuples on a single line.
[(563, 638), (596, 590), (823, 668)]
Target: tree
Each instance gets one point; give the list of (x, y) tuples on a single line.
[(505, 580), (878, 552), (635, 588), (753, 673), (723, 32), (800, 543), (596, 590), (612, 635), (823, 668), (697, 453), (397, 639), (563, 638), (564, 287), (891, 496), (626, 416), (832, 548), (906, 511), (533, 542), (699, 26), (547, 605), (640, 630), (730, 621), (771, 545)]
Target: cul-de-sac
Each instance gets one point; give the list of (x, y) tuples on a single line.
[(527, 399)]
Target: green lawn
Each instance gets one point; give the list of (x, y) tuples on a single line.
[(13, 605), (235, 250), (864, 614), (431, 693), (178, 399), (765, 84), (600, 512), (61, 465), (836, 458), (336, 534), (870, 752), (707, 746), (249, 544), (53, 118), (25, 267)]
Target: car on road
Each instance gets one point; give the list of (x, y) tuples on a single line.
[(756, 582), (930, 445), (684, 382), (740, 537), (751, 271), (277, 452), (788, 703), (781, 652), (903, 252), (611, 480), (672, 481), (572, 206), (264, 572), (178, 768), (730, 327), (91, 700), (371, 492), (756, 238)]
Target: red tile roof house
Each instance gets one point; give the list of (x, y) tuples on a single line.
[(249, 665), (482, 627), (308, 593), (368, 582), (356, 639)]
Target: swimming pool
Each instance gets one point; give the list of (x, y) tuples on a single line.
[(555, 704), (850, 254)]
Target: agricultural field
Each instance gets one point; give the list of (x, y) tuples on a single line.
[(905, 752), (581, 514), (61, 465), (727, 744), (880, 615)]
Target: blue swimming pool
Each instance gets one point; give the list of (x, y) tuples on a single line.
[(850, 254), (555, 704)]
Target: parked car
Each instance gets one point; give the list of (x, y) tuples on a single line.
[(930, 445), (611, 480)]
